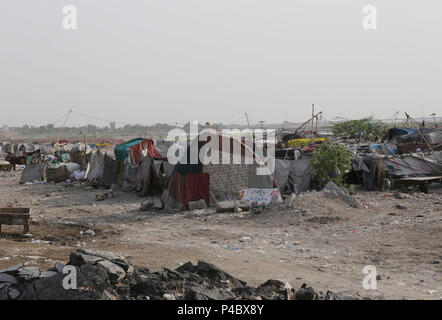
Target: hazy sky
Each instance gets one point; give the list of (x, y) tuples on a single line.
[(212, 60)]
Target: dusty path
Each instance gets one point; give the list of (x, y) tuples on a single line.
[(322, 242)]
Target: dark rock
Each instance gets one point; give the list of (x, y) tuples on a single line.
[(114, 272), (13, 270), (4, 284), (208, 270), (305, 293), (29, 273), (4, 277), (13, 293), (347, 198), (168, 275), (52, 289), (47, 274), (199, 292), (399, 206), (88, 259), (247, 290), (58, 267), (147, 285), (75, 259), (106, 276), (105, 255), (4, 291), (187, 267), (269, 287), (78, 259), (124, 264), (93, 277)]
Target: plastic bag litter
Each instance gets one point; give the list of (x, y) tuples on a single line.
[(78, 175)]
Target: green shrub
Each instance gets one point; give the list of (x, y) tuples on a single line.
[(365, 129), (330, 163)]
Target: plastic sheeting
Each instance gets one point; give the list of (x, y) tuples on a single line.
[(32, 172), (432, 135), (410, 166), (96, 168), (296, 173), (110, 171)]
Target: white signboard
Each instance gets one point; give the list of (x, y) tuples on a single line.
[(262, 196)]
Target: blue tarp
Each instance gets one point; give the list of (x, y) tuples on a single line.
[(121, 150)]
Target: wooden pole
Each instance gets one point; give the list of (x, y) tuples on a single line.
[(62, 128), (313, 119), (248, 123)]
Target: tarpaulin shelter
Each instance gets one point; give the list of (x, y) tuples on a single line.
[(142, 167), (395, 132), (148, 176), (5, 148), (135, 148), (384, 148), (410, 166), (294, 174), (95, 171), (121, 151), (373, 169), (215, 182), (432, 135)]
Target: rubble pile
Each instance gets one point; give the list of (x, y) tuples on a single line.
[(104, 275)]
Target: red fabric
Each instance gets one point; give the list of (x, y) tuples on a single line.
[(145, 147), (177, 188), (197, 187)]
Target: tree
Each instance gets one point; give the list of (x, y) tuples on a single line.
[(365, 129), (331, 162)]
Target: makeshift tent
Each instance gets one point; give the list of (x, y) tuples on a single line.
[(432, 136), (373, 169), (385, 148), (5, 148), (110, 171), (396, 132), (33, 172), (135, 148), (410, 166), (148, 176), (95, 170), (216, 182), (163, 146), (294, 174), (143, 168)]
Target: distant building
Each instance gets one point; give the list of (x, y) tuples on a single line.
[(5, 128)]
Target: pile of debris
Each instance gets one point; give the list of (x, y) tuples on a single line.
[(103, 275)]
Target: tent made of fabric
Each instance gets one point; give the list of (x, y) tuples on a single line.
[(296, 174), (148, 176), (215, 182), (122, 150), (410, 166), (95, 171), (432, 136), (395, 132), (136, 148)]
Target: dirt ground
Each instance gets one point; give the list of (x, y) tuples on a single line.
[(322, 242)]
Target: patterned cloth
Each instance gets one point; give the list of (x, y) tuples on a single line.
[(228, 178)]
